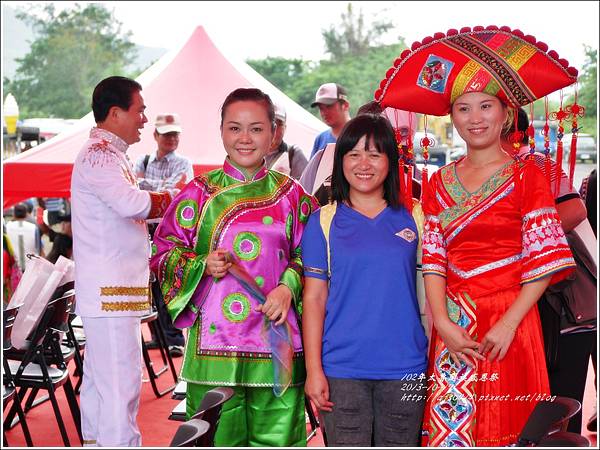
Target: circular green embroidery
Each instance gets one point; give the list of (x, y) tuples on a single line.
[(154, 249), (187, 213), (260, 281), (246, 245), (267, 220), (304, 209), (288, 226), (212, 329), (236, 307)]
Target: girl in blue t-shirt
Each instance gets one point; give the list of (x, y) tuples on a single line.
[(365, 347)]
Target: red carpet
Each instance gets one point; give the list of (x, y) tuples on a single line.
[(155, 427)]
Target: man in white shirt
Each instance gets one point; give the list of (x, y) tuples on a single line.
[(111, 252), (23, 235)]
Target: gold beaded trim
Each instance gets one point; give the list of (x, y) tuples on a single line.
[(125, 306), (89, 441), (123, 290)]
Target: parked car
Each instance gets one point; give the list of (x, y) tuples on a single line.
[(586, 147)]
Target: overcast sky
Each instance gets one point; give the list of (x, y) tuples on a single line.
[(257, 29)]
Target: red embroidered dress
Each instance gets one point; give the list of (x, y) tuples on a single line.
[(487, 244)]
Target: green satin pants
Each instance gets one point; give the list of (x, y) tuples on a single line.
[(254, 417)]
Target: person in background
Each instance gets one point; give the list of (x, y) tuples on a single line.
[(571, 351), (24, 236), (589, 194), (158, 171), (316, 177), (61, 246), (245, 214), (571, 209), (367, 383), (334, 107), (11, 273), (110, 251), (285, 158)]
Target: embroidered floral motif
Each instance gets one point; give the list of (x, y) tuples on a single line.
[(247, 246), (101, 153), (159, 204)]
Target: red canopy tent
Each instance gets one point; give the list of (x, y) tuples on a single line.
[(192, 82)]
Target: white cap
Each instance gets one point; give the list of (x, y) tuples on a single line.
[(167, 123), (329, 93), (280, 113)]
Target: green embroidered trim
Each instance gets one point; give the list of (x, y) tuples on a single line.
[(187, 208), (236, 307), (247, 245), (289, 222), (304, 209)]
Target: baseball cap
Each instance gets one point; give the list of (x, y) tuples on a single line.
[(280, 113), (167, 123), (329, 93)]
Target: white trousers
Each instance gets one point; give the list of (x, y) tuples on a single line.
[(112, 381)]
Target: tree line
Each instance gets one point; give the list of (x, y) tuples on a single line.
[(76, 48)]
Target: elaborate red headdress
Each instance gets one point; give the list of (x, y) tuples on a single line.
[(499, 61)]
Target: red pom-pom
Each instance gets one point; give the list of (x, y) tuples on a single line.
[(427, 40), (542, 46), (518, 33), (390, 72), (478, 28), (415, 45), (452, 32), (531, 39), (552, 54), (405, 53), (505, 28), (491, 27), (465, 30), (383, 83), (439, 35), (397, 62), (378, 93), (563, 62), (572, 71)]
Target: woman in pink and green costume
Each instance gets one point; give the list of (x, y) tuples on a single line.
[(252, 217)]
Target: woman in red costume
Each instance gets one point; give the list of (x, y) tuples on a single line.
[(493, 240)]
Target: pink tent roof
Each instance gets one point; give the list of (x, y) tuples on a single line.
[(192, 82)]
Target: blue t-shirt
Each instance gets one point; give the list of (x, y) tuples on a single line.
[(321, 141), (372, 324)]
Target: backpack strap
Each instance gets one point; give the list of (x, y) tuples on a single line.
[(146, 159), (325, 218), (419, 218)]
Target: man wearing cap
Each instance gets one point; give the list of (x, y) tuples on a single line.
[(288, 159), (161, 170), (332, 100), (164, 168)]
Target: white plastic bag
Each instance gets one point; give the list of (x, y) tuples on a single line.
[(34, 278), (36, 298)]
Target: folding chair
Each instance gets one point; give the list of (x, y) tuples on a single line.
[(9, 391), (564, 439), (210, 410), (153, 323), (546, 418), (180, 391), (43, 367), (190, 433)]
